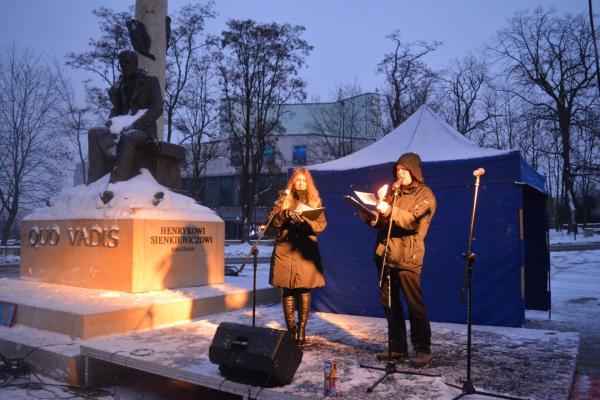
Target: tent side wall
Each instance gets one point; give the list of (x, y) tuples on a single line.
[(537, 252), (347, 244)]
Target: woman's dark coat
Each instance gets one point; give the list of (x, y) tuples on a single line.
[(296, 260)]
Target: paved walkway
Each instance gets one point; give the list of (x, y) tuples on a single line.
[(575, 246), (575, 286)]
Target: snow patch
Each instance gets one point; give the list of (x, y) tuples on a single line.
[(122, 121), (133, 199)]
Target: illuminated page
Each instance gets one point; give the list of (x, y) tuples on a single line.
[(367, 198)]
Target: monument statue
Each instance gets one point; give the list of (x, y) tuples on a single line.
[(113, 148)]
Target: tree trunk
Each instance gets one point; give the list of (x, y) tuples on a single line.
[(244, 204), (10, 219), (569, 194), (169, 124)]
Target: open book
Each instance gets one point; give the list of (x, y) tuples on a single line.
[(367, 198), (364, 210), (308, 211), (363, 201)]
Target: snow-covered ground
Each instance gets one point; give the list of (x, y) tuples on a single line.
[(575, 283), (242, 250), (533, 363), (562, 237), (8, 259)]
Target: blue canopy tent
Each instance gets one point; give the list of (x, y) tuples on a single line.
[(512, 258)]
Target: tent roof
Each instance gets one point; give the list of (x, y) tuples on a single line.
[(424, 133)]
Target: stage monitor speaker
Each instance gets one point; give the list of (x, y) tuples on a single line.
[(255, 355)]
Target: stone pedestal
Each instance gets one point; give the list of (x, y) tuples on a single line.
[(129, 255)]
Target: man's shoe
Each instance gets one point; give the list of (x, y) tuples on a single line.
[(396, 356), (421, 360)]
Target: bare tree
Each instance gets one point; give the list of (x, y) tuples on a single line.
[(464, 86), (184, 44), (28, 168), (408, 79), (514, 124), (101, 59), (500, 130), (586, 164), (551, 56), (258, 69), (345, 125), (196, 119), (72, 120)]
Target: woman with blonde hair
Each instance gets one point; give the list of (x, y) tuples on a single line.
[(296, 261)]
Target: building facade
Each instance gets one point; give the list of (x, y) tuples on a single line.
[(312, 133)]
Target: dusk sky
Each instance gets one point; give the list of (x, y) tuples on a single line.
[(349, 36)]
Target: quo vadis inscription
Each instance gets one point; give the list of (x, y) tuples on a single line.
[(89, 236), (180, 236)]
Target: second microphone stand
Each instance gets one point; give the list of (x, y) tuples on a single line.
[(390, 367), (467, 387)]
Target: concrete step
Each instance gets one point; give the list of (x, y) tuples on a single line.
[(87, 313), (50, 354)]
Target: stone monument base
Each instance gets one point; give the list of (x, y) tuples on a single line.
[(52, 320), (130, 255), (145, 238)]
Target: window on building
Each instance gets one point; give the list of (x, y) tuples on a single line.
[(210, 192), (234, 157), (299, 155), (233, 230), (227, 192), (268, 188), (268, 154)]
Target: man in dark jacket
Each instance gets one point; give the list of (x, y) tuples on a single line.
[(134, 91), (409, 206)]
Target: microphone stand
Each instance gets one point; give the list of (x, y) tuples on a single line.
[(390, 367), (467, 388), (254, 252)]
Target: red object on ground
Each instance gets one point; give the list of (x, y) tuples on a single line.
[(585, 388)]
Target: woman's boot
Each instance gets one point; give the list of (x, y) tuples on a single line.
[(303, 309), (289, 304)]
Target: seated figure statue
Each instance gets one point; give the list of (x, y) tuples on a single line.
[(135, 90)]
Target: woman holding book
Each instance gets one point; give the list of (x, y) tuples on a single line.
[(296, 261)]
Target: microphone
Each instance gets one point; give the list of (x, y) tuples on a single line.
[(281, 196), (396, 186), (479, 171)]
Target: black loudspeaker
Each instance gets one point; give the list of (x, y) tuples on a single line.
[(255, 355)]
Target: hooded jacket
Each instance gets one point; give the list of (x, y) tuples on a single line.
[(413, 209)]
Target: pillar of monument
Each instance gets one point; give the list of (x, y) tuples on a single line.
[(153, 13)]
